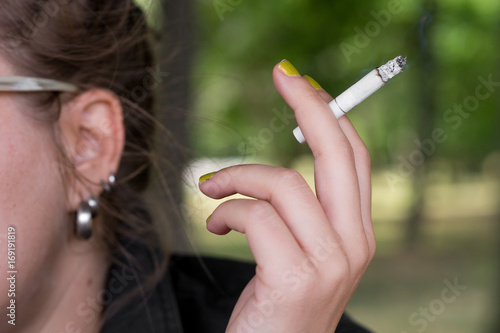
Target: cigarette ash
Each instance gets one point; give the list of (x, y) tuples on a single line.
[(391, 69)]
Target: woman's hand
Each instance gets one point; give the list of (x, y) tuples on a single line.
[(311, 250)]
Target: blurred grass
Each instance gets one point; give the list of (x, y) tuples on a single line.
[(458, 241)]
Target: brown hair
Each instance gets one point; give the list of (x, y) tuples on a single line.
[(94, 44)]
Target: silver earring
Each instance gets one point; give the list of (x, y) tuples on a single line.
[(110, 183), (94, 206), (83, 223)]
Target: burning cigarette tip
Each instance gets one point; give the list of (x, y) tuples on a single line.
[(391, 68), (401, 62)]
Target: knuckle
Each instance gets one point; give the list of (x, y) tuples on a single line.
[(337, 268), (289, 178), (367, 258), (223, 177), (364, 155), (344, 148), (339, 273), (341, 149), (371, 244), (373, 248), (362, 259), (365, 251), (261, 211), (309, 94)]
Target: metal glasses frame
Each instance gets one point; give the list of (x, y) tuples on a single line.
[(31, 84)]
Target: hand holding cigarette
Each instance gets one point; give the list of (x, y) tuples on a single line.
[(311, 249), (361, 90)]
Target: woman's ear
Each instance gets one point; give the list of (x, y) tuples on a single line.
[(93, 136)]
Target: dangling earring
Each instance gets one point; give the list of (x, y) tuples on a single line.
[(87, 211), (84, 216), (110, 183)]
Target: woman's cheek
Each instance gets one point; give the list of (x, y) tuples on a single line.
[(31, 197)]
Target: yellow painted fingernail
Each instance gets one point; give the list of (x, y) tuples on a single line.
[(206, 177), (208, 218), (287, 68), (313, 82)]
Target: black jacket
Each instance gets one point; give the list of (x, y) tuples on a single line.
[(196, 295)]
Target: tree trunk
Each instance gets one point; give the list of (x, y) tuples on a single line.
[(173, 108), (425, 125)]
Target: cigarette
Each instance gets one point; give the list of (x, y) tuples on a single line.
[(361, 90)]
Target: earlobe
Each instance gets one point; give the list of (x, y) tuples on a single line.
[(93, 135)]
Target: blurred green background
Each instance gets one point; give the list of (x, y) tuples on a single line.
[(433, 133)]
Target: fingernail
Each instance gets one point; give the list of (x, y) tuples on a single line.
[(313, 82), (208, 218), (206, 177), (287, 68)]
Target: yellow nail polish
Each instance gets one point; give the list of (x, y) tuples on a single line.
[(313, 82), (208, 218), (287, 68), (206, 177)]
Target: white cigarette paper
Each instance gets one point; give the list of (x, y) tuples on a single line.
[(361, 90)]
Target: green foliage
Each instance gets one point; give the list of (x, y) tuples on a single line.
[(238, 43)]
